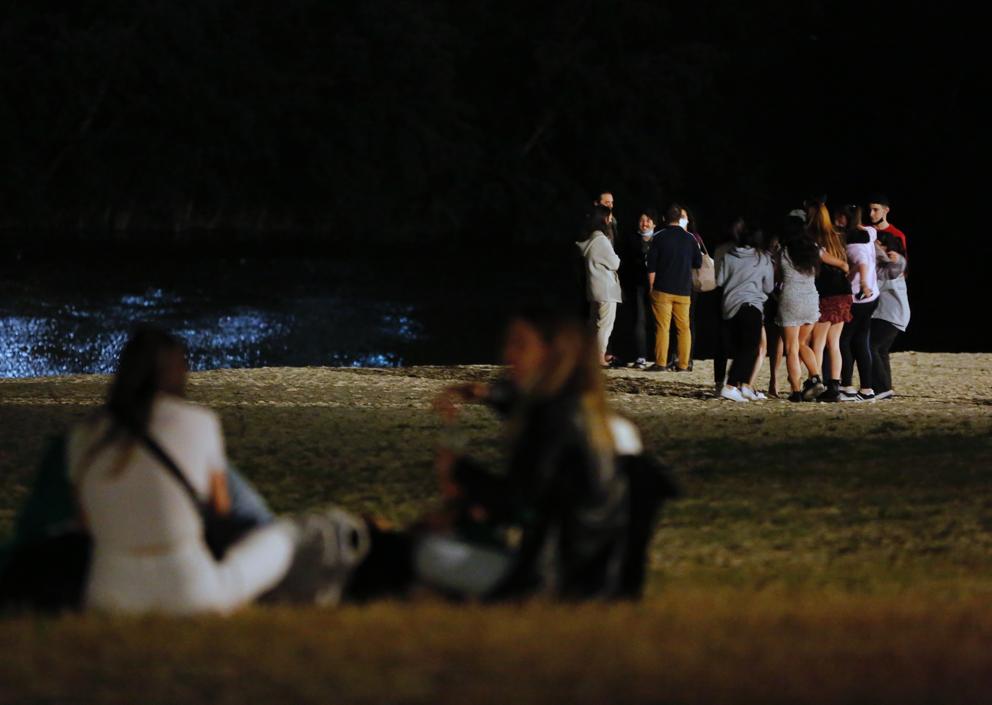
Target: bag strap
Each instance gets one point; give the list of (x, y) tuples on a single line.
[(173, 469), (702, 246)]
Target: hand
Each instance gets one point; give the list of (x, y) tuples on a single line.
[(445, 463), (893, 256), (845, 268), (865, 292), (220, 497), (447, 403)]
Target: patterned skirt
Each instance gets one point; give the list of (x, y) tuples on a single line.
[(836, 309)]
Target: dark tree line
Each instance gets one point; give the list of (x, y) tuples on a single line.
[(402, 120)]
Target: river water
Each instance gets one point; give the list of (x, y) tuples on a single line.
[(62, 317), (69, 319)]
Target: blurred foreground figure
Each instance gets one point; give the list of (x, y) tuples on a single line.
[(571, 515), (164, 525)]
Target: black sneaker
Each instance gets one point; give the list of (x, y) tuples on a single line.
[(832, 392), (796, 396), (813, 388), (865, 397), (831, 395)]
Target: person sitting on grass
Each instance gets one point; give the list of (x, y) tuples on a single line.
[(149, 548), (558, 521)]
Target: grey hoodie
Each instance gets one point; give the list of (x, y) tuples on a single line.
[(747, 277), (602, 263), (893, 300)]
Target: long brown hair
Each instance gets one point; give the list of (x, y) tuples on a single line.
[(823, 232), (572, 367), (142, 372)]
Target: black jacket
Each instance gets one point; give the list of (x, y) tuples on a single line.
[(673, 255), (569, 502)]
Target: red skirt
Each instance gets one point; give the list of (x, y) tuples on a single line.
[(836, 309)]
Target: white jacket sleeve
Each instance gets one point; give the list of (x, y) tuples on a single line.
[(601, 253)]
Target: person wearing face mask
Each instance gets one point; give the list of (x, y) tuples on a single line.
[(634, 280), (674, 253), (688, 223), (878, 216)]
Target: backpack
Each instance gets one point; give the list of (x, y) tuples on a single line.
[(47, 562)]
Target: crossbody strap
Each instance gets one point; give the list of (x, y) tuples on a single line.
[(173, 469)]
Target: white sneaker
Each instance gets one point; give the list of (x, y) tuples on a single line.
[(848, 394), (732, 393), (330, 545), (884, 395), (751, 394)]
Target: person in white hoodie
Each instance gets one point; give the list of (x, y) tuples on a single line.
[(602, 265), (747, 276)]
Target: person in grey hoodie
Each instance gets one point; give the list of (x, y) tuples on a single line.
[(891, 317), (602, 281), (747, 276)]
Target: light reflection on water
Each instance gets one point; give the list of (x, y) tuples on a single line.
[(58, 338)]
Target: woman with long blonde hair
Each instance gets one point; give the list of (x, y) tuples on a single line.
[(553, 522), (835, 303)]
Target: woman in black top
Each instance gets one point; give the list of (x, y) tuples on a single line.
[(554, 521), (634, 280), (835, 303)]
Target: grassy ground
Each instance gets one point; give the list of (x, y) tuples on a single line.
[(823, 553)]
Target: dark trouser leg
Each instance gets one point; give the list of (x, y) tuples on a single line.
[(860, 343), (746, 325), (639, 307), (723, 342), (883, 334), (846, 354)]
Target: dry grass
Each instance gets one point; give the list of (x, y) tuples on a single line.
[(823, 553)]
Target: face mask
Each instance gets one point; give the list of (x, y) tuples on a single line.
[(647, 231), (683, 223)]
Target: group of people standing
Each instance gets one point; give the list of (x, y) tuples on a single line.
[(650, 270), (828, 293)]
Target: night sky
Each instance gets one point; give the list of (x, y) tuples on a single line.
[(317, 127)]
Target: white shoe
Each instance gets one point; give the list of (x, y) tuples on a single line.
[(732, 393), (752, 395), (848, 394), (884, 395), (330, 546)]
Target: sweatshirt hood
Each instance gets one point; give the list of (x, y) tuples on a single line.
[(745, 253), (585, 245)]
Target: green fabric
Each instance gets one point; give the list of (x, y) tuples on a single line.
[(51, 502)]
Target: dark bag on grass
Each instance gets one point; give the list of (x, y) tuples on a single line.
[(220, 531), (45, 566), (47, 575), (651, 485)]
